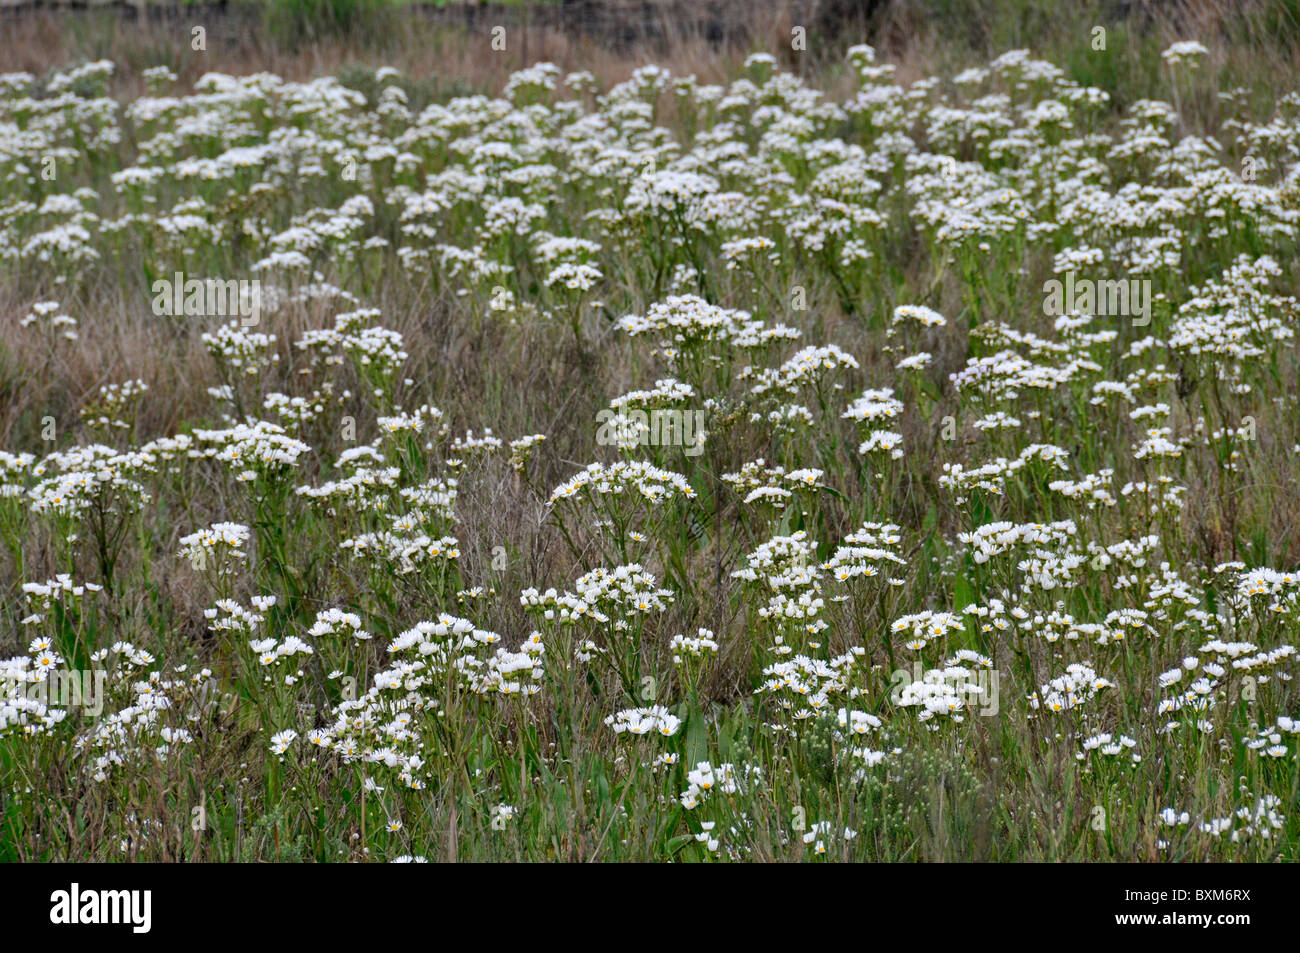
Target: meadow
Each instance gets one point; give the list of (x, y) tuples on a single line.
[(780, 465)]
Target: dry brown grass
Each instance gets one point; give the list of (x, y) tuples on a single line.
[(420, 43), (450, 45)]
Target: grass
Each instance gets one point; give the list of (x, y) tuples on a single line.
[(499, 344)]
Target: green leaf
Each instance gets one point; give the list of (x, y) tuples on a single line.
[(697, 739), (678, 842)]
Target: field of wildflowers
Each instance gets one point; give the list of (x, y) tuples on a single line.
[(657, 470)]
